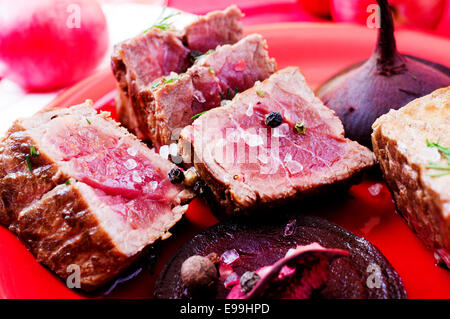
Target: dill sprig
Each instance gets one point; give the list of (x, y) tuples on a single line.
[(33, 152), (204, 54), (198, 115), (163, 22), (445, 152), (164, 81)]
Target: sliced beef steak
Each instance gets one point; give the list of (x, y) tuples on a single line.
[(138, 61), (104, 196), (170, 103), (412, 145), (247, 163), (215, 28)]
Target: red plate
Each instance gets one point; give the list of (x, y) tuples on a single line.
[(319, 50)]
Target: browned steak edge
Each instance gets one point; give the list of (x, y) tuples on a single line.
[(19, 187), (61, 230)]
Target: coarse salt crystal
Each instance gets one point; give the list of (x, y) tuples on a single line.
[(231, 280), (153, 185), (375, 189), (130, 164), (136, 177), (229, 256), (288, 157), (132, 151), (164, 151), (173, 149), (290, 252), (294, 167), (249, 111), (199, 96), (253, 140), (224, 102)]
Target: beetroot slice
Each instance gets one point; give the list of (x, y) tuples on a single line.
[(295, 276), (262, 242)]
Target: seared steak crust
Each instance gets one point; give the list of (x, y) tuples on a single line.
[(400, 143), (18, 185), (61, 230)]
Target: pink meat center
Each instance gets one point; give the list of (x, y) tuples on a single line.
[(118, 171), (247, 147)]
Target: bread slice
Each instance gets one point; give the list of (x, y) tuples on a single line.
[(399, 141)]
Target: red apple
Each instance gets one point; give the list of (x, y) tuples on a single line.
[(49, 44), (320, 8), (409, 13)]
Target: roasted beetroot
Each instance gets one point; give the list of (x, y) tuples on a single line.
[(364, 273), (387, 80), (296, 276)]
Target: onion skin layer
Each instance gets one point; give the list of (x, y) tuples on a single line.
[(387, 80)]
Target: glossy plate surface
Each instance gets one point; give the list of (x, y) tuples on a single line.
[(319, 50)]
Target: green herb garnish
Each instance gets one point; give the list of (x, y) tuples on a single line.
[(204, 54), (27, 159), (170, 80), (260, 93), (164, 81), (228, 94), (67, 182), (163, 22), (155, 85), (87, 120), (198, 115), (33, 152), (445, 152), (300, 127)]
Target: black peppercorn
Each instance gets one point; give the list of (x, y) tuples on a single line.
[(248, 280), (200, 187), (193, 55), (274, 119), (176, 176)]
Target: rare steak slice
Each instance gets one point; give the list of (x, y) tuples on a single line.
[(412, 145), (247, 163), (138, 61), (103, 195), (171, 102)]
